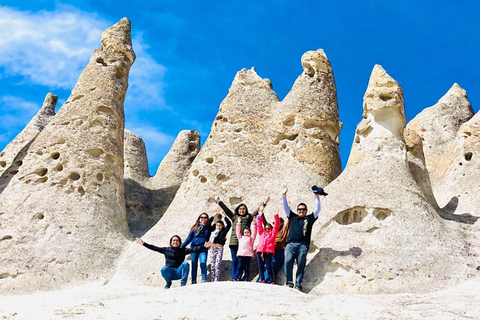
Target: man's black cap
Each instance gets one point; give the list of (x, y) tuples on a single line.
[(318, 190)]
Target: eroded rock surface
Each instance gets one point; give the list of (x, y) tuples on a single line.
[(63, 213), (147, 198), (11, 158), (378, 231), (256, 145)]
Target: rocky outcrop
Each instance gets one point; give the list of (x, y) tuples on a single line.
[(256, 145), (378, 231), (147, 198), (438, 126), (63, 213), (11, 158)]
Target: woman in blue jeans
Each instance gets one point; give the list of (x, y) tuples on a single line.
[(199, 234), (175, 266)]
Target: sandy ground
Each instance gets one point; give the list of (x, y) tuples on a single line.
[(230, 300)]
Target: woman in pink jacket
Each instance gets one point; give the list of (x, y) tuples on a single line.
[(245, 249), (266, 248)]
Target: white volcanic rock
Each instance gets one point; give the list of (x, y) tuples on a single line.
[(256, 145), (378, 232), (147, 198), (458, 185), (438, 126), (63, 214), (11, 157)]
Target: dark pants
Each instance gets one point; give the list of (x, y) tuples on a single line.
[(295, 251), (243, 265), (278, 261), (264, 260), (233, 251)]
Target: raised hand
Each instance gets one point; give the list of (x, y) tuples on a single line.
[(284, 190), (139, 241), (267, 200)]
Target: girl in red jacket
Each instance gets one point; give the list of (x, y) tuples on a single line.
[(266, 248)]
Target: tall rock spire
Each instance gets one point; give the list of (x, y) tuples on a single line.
[(64, 211), (378, 232)]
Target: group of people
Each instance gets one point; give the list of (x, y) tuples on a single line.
[(280, 243)]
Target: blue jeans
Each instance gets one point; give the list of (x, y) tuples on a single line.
[(202, 256), (233, 251), (265, 262), (296, 251), (278, 261), (243, 265), (171, 273)]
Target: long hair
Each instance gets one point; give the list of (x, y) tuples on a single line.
[(195, 226), (238, 207)]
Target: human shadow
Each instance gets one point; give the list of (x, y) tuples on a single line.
[(448, 213), (317, 268)]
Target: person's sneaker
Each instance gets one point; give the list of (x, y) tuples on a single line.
[(478, 268), (194, 282), (263, 281), (204, 281), (182, 284), (167, 286), (299, 288), (290, 285)]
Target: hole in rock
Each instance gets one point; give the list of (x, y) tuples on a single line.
[(372, 229), (77, 97), (97, 122), (55, 155), (95, 152), (191, 159), (219, 117), (13, 172), (18, 163), (289, 121), (209, 160), (382, 214), (385, 96), (74, 176), (238, 130), (81, 190), (99, 177), (309, 123), (7, 237), (3, 164), (59, 167), (284, 136), (120, 73), (203, 179), (2, 153), (222, 177), (352, 215), (41, 171), (69, 232), (105, 109), (63, 181), (195, 172), (61, 141), (101, 61), (468, 156), (42, 180), (39, 216), (468, 133), (192, 147), (39, 152), (235, 201)]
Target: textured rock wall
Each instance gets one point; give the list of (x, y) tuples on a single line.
[(63, 214), (256, 145), (147, 198)]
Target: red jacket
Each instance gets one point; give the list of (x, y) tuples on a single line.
[(266, 241)]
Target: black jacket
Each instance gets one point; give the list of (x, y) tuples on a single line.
[(221, 238), (174, 257)]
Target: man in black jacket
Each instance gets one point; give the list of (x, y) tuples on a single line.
[(175, 265)]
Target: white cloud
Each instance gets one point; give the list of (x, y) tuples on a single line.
[(15, 113)]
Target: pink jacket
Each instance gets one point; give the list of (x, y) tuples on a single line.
[(245, 244), (267, 239)]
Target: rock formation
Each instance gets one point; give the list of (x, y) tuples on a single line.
[(256, 145), (147, 198), (11, 157), (378, 231), (438, 126), (63, 213)]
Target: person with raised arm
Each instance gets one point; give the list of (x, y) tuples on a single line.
[(175, 265), (299, 236), (218, 237), (241, 211)]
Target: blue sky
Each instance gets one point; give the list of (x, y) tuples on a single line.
[(189, 51)]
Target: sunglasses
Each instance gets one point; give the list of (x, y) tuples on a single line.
[(203, 217), (302, 209)]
